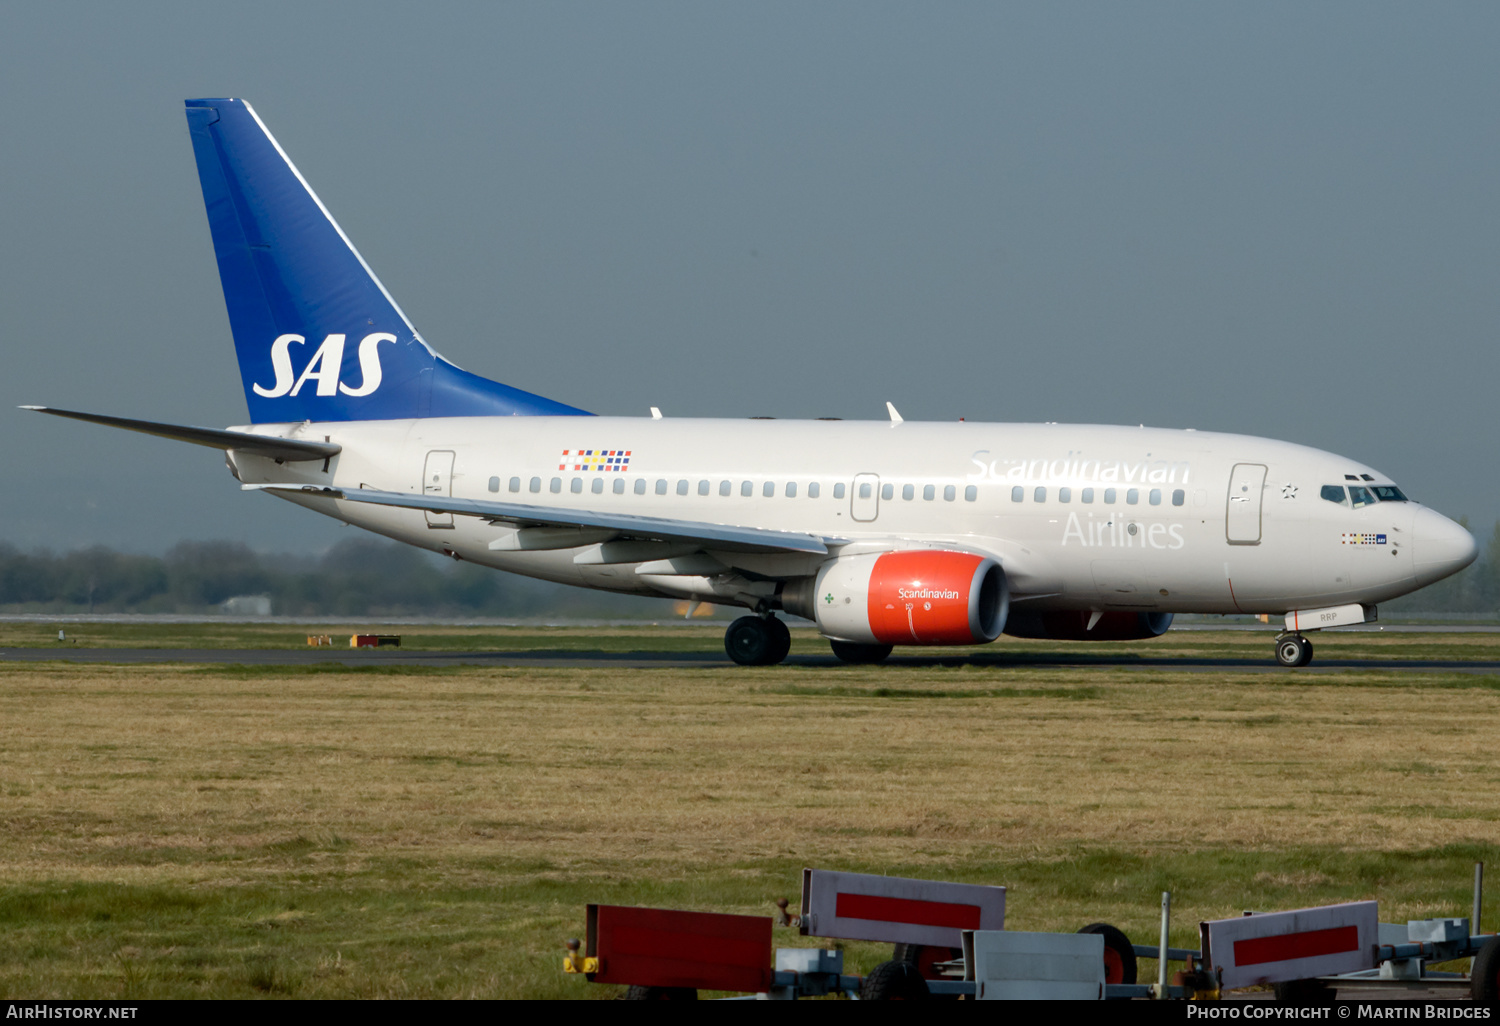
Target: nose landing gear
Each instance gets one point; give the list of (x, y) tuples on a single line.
[(757, 641), (1293, 650)]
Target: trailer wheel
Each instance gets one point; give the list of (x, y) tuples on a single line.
[(1484, 976), (925, 956), (635, 993), (1119, 953), (1303, 992), (894, 981)]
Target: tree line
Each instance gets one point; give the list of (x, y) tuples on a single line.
[(358, 577), (373, 577)]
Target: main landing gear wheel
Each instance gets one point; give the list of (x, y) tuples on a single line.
[(757, 641), (849, 652), (1293, 650)]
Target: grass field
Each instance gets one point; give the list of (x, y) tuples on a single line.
[(181, 831)]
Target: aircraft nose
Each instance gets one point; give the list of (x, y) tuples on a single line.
[(1440, 547)]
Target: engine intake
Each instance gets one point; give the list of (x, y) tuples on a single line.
[(913, 597)]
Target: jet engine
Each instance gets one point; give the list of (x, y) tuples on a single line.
[(1073, 625), (913, 597)]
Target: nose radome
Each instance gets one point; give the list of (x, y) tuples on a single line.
[(1439, 546)]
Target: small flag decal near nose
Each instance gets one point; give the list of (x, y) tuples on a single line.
[(605, 460)]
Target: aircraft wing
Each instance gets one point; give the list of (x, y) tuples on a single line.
[(285, 449), (719, 536)]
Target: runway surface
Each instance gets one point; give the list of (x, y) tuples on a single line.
[(645, 659)]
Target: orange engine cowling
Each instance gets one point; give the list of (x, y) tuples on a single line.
[(913, 597)]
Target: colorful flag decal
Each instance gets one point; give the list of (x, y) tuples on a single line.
[(604, 460)]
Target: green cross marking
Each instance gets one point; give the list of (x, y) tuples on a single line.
[(828, 598)]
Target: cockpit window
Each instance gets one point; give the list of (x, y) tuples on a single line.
[(1360, 496), (1388, 493), (1335, 493)]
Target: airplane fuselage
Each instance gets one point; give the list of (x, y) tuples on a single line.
[(1080, 516)]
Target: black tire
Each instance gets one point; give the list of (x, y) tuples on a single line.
[(1303, 992), (1119, 953), (1484, 976), (634, 993), (849, 652), (747, 641), (1293, 650), (781, 641), (894, 981), (925, 956)]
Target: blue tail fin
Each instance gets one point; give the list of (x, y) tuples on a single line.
[(317, 335)]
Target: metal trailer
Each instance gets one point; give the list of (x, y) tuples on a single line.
[(1305, 954)]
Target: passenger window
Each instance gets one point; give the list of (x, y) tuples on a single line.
[(577, 485), (887, 492), (864, 490), (1359, 497), (640, 486), (949, 493), (768, 489), (536, 484), (929, 492), (1179, 497), (838, 490), (747, 489), (1040, 495), (791, 489), (515, 484), (725, 487), (971, 493), (702, 487), (1109, 496), (1335, 493), (1087, 495), (494, 484), (682, 486), (1065, 495), (1018, 494), (555, 485), (1155, 497), (619, 486), (908, 492), (812, 490), (661, 486), (1133, 496), (598, 487)]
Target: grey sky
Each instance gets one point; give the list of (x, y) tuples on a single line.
[(1278, 219)]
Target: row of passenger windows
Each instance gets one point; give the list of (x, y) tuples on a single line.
[(1086, 495), (768, 489)]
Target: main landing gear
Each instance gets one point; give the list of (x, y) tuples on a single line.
[(1293, 650), (757, 641)]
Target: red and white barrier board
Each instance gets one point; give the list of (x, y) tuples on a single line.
[(860, 906), (1296, 945), (654, 947)]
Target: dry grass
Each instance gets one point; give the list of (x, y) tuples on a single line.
[(304, 832)]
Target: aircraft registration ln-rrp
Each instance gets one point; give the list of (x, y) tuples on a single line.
[(883, 533)]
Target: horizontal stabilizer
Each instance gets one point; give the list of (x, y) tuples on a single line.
[(287, 449), (717, 536)]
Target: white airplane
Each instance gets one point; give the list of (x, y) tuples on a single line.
[(883, 533)]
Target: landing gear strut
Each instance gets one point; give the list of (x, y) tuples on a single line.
[(1293, 650), (757, 641)]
